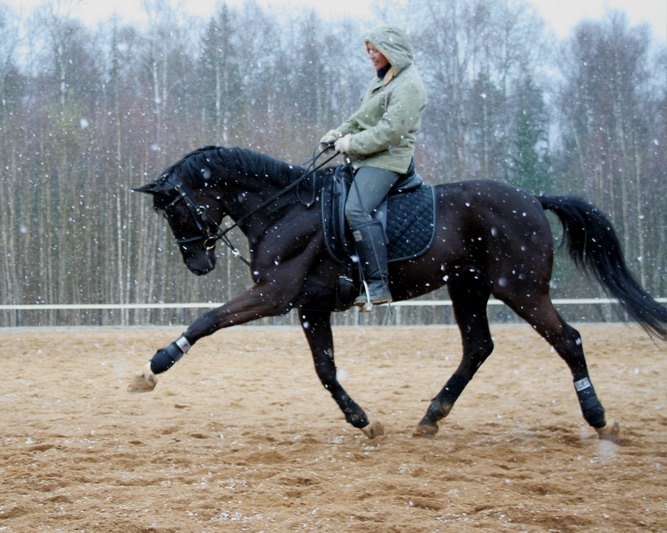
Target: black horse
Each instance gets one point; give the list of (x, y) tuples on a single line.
[(490, 239)]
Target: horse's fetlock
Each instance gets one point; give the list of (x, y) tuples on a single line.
[(591, 408), (165, 358), (357, 420), (437, 410)]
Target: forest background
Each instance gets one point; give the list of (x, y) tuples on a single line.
[(88, 113)]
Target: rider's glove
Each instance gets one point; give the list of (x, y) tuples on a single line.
[(342, 145), (329, 138)]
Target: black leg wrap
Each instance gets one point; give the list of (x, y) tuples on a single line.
[(591, 407), (165, 358)]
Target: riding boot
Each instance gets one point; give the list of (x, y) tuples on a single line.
[(371, 248)]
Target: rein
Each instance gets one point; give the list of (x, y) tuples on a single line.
[(204, 222)]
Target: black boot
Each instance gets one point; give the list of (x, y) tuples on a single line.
[(372, 251)]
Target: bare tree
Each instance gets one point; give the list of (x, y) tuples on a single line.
[(605, 125)]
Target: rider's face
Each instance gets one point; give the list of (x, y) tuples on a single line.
[(376, 57)]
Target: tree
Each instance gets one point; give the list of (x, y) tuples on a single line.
[(87, 114), (468, 52), (221, 92), (530, 167), (486, 110), (607, 130)]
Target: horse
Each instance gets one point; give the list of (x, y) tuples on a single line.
[(491, 238)]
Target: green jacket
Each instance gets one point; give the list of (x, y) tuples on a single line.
[(384, 128)]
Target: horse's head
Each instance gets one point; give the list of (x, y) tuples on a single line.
[(193, 215)]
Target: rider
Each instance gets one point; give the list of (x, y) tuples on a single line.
[(379, 141)]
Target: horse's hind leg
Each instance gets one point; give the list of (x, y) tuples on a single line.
[(317, 328), (469, 301), (539, 312)]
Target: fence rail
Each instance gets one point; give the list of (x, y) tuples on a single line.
[(211, 305), (412, 312)]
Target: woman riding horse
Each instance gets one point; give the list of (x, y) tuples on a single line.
[(379, 140)]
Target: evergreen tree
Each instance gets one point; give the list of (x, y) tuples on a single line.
[(487, 108), (529, 163), (220, 85)]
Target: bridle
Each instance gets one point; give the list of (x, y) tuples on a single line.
[(202, 219), (205, 223)]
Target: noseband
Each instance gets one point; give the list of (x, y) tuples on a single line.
[(198, 213)]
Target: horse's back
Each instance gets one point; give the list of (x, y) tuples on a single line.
[(485, 221), (487, 204)]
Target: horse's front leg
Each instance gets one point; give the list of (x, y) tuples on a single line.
[(317, 328), (275, 290), (264, 299)]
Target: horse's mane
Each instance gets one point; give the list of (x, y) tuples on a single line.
[(238, 162)]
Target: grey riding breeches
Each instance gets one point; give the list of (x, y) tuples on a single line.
[(370, 186)]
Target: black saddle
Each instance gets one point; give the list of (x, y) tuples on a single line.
[(408, 215)]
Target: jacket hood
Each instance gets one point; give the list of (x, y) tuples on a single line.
[(394, 44)]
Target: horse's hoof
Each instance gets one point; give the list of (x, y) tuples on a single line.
[(144, 381), (425, 430), (612, 433), (376, 429)]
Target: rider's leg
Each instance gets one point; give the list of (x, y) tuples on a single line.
[(369, 188)]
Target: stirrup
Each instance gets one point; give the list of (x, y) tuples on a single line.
[(365, 301)]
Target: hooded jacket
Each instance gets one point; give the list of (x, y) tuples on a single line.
[(384, 128)]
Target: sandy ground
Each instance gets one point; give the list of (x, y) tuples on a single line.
[(240, 436)]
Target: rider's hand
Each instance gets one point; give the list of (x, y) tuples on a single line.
[(329, 138), (342, 145)]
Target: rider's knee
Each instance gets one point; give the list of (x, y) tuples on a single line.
[(355, 214)]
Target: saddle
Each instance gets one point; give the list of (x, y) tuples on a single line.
[(407, 215)]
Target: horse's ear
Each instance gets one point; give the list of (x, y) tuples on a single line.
[(150, 188)]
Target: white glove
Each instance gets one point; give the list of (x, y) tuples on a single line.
[(342, 145), (329, 138)]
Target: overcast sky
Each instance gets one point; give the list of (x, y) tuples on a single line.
[(561, 15)]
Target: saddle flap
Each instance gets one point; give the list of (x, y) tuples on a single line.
[(407, 215)]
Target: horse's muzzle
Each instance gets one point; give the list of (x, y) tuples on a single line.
[(201, 263)]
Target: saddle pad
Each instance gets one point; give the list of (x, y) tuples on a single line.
[(408, 218), (410, 223)]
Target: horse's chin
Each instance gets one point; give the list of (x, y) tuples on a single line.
[(200, 271), (200, 267)]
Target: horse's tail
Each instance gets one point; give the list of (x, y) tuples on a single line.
[(594, 247)]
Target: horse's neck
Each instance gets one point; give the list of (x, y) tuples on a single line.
[(250, 181), (259, 172)]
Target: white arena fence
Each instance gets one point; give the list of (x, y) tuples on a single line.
[(392, 314)]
